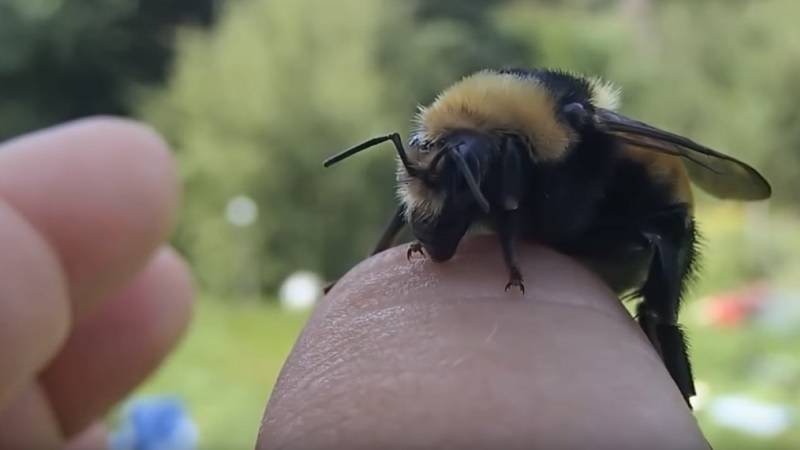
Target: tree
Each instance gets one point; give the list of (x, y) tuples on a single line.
[(65, 59), (428, 45), (253, 109), (256, 106)]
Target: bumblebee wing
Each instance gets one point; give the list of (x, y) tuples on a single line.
[(716, 173)]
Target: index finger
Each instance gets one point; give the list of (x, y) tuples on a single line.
[(427, 355)]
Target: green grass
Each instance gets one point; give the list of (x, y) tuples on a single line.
[(751, 363), (226, 366), (753, 360)]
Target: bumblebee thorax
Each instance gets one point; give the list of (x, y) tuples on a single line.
[(502, 102)]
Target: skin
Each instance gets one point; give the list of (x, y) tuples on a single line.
[(422, 355), (85, 209)]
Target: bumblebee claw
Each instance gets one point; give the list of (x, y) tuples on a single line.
[(415, 247), (516, 280), (517, 284), (327, 288)]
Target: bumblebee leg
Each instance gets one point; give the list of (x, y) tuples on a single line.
[(414, 247), (507, 233), (512, 182), (670, 342), (394, 226), (672, 238), (506, 220), (515, 279)]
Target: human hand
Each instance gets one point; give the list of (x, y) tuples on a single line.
[(91, 298), (422, 355)]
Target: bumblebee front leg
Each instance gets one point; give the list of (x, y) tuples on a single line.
[(386, 240), (414, 247), (394, 226), (506, 225), (672, 239), (506, 220)]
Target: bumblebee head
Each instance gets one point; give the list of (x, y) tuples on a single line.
[(442, 201), (472, 124), (457, 145)]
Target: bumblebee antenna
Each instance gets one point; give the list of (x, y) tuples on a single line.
[(398, 145), (471, 183)]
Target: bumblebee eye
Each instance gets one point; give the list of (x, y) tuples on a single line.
[(576, 114)]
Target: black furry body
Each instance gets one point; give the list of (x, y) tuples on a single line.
[(542, 156), (607, 211), (597, 205)]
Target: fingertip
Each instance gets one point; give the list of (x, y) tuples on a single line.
[(144, 155), (103, 191), (177, 284), (477, 272), (447, 347)]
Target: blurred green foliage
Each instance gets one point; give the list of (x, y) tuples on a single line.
[(253, 107), (754, 359), (62, 59), (254, 94), (253, 104)]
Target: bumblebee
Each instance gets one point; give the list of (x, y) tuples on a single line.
[(542, 155)]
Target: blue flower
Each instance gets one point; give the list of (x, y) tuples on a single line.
[(155, 423)]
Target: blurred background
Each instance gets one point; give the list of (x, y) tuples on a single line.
[(253, 94)]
